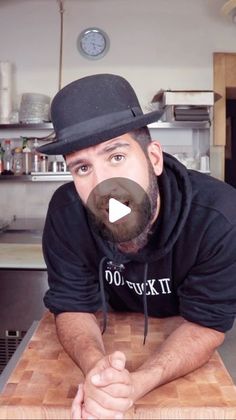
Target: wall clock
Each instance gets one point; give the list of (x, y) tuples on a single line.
[(93, 43)]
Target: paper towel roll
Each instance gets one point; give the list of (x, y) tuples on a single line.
[(5, 75), (5, 91), (5, 106)]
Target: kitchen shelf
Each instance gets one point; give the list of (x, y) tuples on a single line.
[(32, 129), (51, 176), (38, 126), (159, 124), (27, 130), (199, 140), (181, 124), (38, 177)]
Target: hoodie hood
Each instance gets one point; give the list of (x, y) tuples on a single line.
[(175, 195)]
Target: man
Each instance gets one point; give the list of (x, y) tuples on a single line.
[(175, 255)]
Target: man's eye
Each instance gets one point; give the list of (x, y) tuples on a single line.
[(117, 158), (82, 170)]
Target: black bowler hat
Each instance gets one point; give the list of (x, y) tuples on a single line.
[(94, 109)]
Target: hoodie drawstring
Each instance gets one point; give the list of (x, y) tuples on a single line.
[(104, 306), (145, 309), (103, 297)]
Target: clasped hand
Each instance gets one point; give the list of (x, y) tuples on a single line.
[(106, 392)]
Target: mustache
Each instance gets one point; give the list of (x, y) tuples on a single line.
[(102, 202)]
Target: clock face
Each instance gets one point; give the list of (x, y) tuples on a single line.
[(93, 43)]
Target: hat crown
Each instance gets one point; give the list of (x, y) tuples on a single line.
[(91, 97), (92, 110)]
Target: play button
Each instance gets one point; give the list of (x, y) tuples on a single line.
[(117, 210)]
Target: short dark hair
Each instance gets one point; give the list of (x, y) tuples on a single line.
[(142, 136)]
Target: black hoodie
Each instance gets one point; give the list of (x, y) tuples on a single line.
[(188, 267)]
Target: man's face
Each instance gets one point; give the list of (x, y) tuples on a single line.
[(121, 157)]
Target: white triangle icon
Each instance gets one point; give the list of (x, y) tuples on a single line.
[(117, 210)]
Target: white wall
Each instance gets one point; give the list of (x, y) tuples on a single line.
[(154, 43)]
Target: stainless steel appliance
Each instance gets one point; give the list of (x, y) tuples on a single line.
[(21, 302), (21, 291)]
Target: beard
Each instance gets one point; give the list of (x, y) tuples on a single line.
[(139, 242), (131, 232)]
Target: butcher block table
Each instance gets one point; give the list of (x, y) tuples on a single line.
[(45, 380)]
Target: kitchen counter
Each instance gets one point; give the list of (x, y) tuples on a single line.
[(22, 256), (21, 245), (45, 381)]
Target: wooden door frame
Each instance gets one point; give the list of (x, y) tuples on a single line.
[(224, 84)]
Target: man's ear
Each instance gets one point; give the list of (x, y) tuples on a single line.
[(156, 156)]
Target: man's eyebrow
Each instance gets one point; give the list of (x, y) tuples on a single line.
[(107, 149), (112, 147), (75, 162)]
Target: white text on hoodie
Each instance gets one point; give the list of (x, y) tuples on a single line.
[(153, 286)]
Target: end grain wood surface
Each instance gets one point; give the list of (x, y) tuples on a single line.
[(44, 382)]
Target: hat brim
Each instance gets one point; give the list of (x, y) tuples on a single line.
[(69, 145)]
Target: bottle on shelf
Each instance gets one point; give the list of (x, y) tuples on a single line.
[(18, 161), (35, 163), (7, 159), (27, 157), (43, 163)]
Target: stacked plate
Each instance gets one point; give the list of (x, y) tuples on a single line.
[(34, 108)]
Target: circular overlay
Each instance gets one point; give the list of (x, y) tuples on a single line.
[(125, 203)]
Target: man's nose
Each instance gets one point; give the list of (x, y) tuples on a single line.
[(104, 185), (99, 175)]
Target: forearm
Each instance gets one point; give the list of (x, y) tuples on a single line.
[(80, 335), (186, 349)]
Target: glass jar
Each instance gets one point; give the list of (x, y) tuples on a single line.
[(44, 163), (18, 167), (27, 157)]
